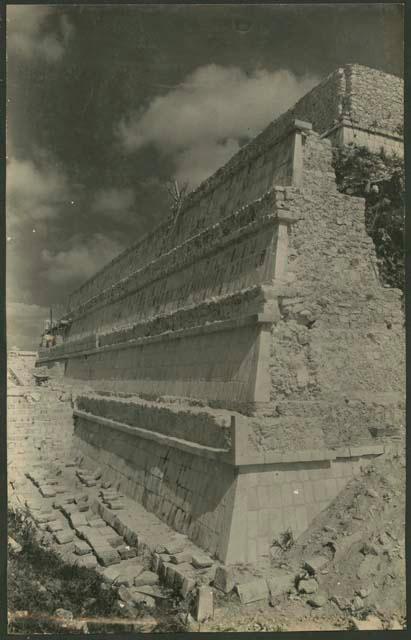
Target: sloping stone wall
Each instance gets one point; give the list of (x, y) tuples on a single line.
[(262, 301), (372, 100)]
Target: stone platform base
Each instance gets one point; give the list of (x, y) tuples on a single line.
[(208, 483)]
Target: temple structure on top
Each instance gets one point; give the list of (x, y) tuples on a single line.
[(242, 360)]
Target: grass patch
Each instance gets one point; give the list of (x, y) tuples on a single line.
[(39, 582)]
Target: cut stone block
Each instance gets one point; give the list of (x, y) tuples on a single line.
[(155, 562), (252, 591), (125, 594), (78, 520), (113, 539), (59, 490), (181, 571), (64, 537), (179, 558), (83, 507), (225, 579), (126, 552), (175, 545), (45, 516), (279, 583), (68, 509), (81, 548), (50, 481), (169, 574), (205, 604), (83, 532), (131, 537), (88, 561), (201, 561), (308, 586), (315, 563), (107, 557), (111, 573), (97, 523), (369, 624), (143, 598), (188, 586), (55, 525), (116, 505), (146, 578), (47, 491)]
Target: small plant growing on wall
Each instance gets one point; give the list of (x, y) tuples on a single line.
[(284, 541), (379, 178), (177, 194)]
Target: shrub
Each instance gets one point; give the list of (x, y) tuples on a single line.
[(379, 178)]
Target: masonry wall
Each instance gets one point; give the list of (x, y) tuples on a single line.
[(337, 355), (38, 423), (192, 494), (371, 99), (262, 300), (234, 514)]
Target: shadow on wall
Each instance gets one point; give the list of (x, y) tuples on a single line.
[(191, 494)]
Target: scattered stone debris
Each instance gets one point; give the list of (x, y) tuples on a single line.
[(205, 604)]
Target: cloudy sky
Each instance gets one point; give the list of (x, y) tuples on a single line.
[(106, 104)]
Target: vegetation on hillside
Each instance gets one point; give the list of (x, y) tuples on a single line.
[(379, 178)]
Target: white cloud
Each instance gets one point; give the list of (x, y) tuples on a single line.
[(34, 191), (28, 36), (82, 259), (113, 203), (197, 162), (200, 123)]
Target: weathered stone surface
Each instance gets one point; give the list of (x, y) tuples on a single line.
[(371, 623), (295, 355), (146, 578), (279, 583), (253, 590), (175, 545), (64, 537), (42, 517), (183, 556), (225, 578), (308, 585), (107, 556), (314, 564), (78, 519), (126, 552), (205, 604), (201, 561), (88, 561), (55, 525), (187, 587), (81, 548), (317, 601), (47, 491)]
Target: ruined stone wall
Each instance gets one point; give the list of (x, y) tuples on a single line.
[(371, 99), (260, 352), (38, 420), (337, 356), (233, 512), (375, 100)]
